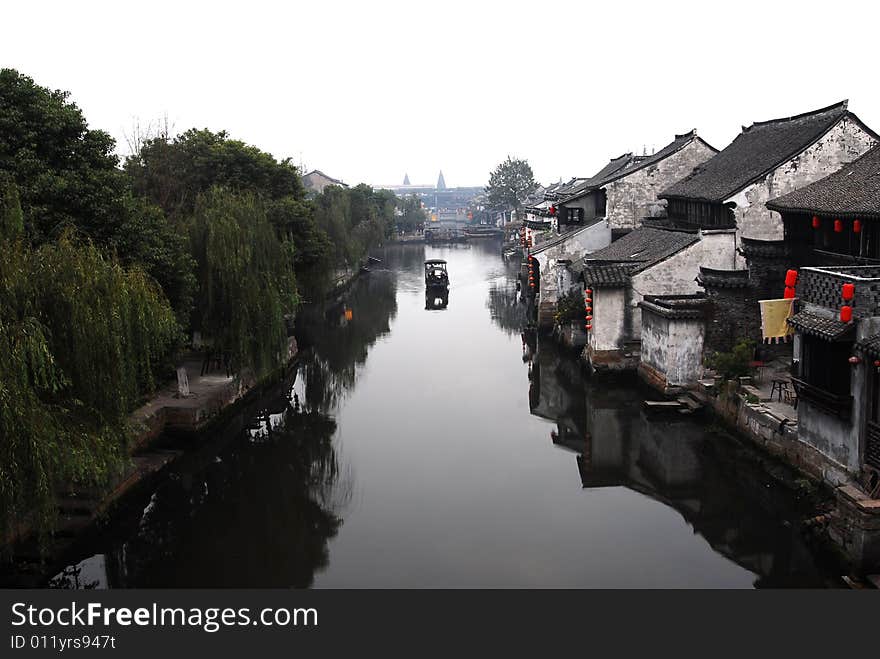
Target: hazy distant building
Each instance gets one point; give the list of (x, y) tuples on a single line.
[(316, 181), (406, 179), (441, 183)]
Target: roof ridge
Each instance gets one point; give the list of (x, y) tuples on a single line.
[(843, 105)]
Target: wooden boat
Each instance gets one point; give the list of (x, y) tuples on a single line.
[(436, 275)]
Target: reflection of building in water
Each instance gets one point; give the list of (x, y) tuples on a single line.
[(436, 298), (676, 462)]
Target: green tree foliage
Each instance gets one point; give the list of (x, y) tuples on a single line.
[(82, 339), (355, 219), (510, 184), (412, 214), (246, 279), (294, 220), (172, 173), (66, 173), (736, 363)]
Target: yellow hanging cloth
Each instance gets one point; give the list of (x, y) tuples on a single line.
[(773, 316)]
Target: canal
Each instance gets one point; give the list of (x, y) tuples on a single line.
[(443, 447)]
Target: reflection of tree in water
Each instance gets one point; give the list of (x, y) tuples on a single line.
[(258, 515), (505, 306), (337, 336)]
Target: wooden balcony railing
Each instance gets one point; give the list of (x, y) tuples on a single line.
[(835, 404)]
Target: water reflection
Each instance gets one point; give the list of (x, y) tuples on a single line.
[(708, 479), (255, 504), (336, 337), (436, 299)]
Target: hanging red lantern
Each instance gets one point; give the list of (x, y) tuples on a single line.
[(791, 277), (589, 326), (553, 210), (849, 291), (838, 226), (816, 222), (789, 292), (845, 313), (589, 291), (855, 360), (877, 363), (589, 318), (857, 226), (589, 309)]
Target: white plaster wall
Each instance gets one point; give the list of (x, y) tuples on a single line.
[(629, 199), (673, 347), (608, 319), (577, 245), (677, 275), (842, 144)]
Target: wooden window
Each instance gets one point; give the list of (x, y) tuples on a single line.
[(825, 365)]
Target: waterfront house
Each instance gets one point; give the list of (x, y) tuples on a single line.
[(650, 261), (833, 226), (766, 160), (837, 369), (625, 190)]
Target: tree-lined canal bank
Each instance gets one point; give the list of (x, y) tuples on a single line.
[(445, 448)]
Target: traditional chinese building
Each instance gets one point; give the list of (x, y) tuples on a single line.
[(625, 190), (646, 262), (833, 225), (766, 160)]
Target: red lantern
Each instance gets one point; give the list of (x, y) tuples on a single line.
[(791, 277), (857, 226), (589, 318), (589, 327), (589, 309), (589, 291), (838, 226), (845, 314), (816, 222), (553, 210), (855, 360), (849, 291), (789, 292), (877, 363)]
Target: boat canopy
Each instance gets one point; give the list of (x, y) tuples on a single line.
[(432, 261)]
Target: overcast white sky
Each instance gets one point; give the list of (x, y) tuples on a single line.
[(367, 91)]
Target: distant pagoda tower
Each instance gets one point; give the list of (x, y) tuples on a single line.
[(406, 179), (441, 182)]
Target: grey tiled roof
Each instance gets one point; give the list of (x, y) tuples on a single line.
[(853, 191), (830, 329), (628, 163), (755, 152), (644, 247), (634, 252), (870, 346), (606, 275)]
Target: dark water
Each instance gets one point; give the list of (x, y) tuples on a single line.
[(435, 447)]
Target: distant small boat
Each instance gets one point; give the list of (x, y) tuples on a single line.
[(436, 275)]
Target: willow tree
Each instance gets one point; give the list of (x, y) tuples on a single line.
[(246, 280), (81, 339)]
